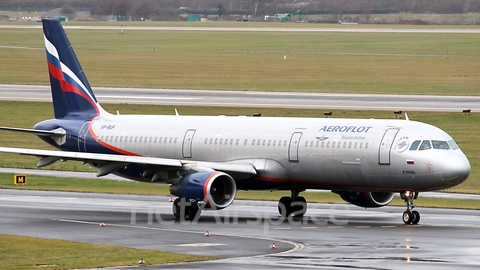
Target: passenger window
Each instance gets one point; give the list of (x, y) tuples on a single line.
[(440, 145), (425, 145), (414, 145), (253, 142), (274, 142), (453, 145)]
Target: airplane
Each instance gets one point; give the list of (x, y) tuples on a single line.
[(206, 159)]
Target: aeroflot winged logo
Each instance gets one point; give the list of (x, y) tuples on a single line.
[(353, 129)]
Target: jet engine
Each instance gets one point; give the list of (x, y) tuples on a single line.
[(216, 190), (366, 199)]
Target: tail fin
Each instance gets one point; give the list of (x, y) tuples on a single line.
[(71, 92)]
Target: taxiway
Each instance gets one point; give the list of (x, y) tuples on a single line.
[(256, 99), (330, 236)]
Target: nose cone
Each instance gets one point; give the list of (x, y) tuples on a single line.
[(456, 169)]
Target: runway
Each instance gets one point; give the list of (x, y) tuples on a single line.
[(256, 99), (329, 237)]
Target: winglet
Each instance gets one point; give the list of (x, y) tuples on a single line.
[(72, 95)]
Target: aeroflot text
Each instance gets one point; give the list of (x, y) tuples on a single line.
[(358, 129)]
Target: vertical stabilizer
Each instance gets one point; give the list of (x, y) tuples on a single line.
[(71, 92)]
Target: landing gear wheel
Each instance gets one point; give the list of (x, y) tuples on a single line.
[(416, 217), (410, 216), (285, 206), (407, 217), (176, 208), (299, 207), (192, 212)]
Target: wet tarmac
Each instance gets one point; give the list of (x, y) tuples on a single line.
[(328, 237)]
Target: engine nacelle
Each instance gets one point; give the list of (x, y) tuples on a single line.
[(216, 189), (366, 199)]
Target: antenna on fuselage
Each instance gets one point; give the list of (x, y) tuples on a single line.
[(406, 117), (176, 112)]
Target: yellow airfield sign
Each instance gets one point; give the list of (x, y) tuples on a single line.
[(20, 179)]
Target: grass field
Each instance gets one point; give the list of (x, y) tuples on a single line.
[(20, 252), (399, 63)]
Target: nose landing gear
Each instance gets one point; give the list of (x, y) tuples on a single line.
[(410, 216)]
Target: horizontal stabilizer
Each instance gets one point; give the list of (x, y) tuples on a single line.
[(56, 132)]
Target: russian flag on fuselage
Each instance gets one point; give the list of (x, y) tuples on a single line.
[(71, 92)]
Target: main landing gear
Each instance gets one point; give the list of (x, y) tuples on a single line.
[(409, 216), (182, 208), (292, 205)]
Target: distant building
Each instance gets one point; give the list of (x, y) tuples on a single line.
[(57, 13)]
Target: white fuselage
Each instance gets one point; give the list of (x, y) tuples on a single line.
[(323, 153)]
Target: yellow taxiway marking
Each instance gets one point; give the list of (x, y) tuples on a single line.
[(362, 227), (283, 228), (335, 227), (313, 227), (390, 226)]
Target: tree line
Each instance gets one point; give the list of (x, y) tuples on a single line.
[(257, 8)]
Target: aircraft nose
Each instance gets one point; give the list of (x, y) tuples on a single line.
[(456, 169)]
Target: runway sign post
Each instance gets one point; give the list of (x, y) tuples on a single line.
[(20, 179)]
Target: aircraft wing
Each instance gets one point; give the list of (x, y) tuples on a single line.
[(113, 162)]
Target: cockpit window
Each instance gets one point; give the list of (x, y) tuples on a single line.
[(414, 145), (440, 145), (425, 145), (453, 145)]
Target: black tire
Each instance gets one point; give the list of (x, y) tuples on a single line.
[(176, 208), (299, 206), (407, 217), (192, 212), (416, 217), (285, 206)]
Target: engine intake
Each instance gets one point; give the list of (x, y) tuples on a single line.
[(365, 198), (216, 189)]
